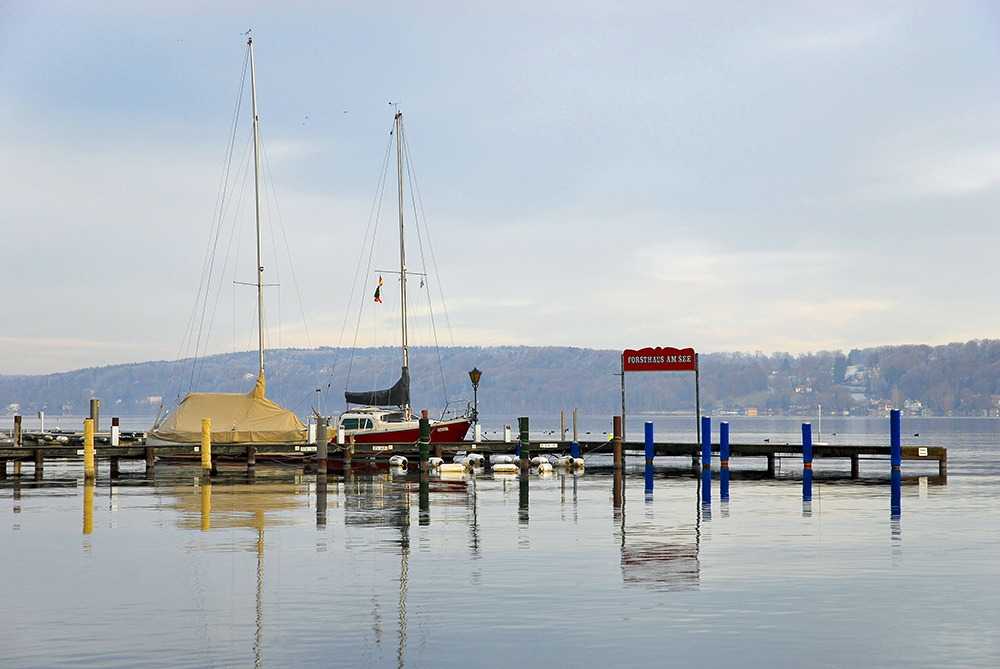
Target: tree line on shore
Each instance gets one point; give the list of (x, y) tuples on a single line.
[(959, 379)]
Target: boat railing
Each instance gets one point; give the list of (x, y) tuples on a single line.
[(457, 409)]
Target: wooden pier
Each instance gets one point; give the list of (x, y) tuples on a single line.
[(38, 453)]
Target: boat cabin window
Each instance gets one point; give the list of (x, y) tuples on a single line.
[(356, 424)]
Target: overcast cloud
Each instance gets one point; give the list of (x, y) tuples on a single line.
[(774, 176)]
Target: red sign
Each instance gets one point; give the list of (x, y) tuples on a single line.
[(658, 360)]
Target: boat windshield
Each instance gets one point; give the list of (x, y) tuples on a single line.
[(356, 424)]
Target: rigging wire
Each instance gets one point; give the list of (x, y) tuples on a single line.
[(414, 198), (184, 349), (370, 232)]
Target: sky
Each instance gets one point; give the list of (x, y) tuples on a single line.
[(730, 176)]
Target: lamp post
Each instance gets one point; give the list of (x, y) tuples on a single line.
[(474, 376)]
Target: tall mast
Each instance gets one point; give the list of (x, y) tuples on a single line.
[(402, 246), (256, 189)]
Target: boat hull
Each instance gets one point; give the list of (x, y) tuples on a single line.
[(444, 432)]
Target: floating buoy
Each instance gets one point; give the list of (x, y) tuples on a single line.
[(540, 460), (545, 468), (452, 467), (435, 462), (475, 459), (505, 468), (569, 462), (503, 460), (397, 461)]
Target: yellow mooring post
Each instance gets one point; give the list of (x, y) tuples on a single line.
[(89, 465), (206, 506), (88, 506), (206, 446)]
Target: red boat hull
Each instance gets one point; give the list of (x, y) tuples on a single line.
[(445, 432)]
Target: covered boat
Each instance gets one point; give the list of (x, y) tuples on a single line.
[(237, 418)]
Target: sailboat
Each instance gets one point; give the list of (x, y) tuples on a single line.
[(237, 418), (386, 416)]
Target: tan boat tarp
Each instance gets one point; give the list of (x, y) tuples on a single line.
[(245, 418)]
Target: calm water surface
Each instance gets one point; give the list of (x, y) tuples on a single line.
[(478, 571)]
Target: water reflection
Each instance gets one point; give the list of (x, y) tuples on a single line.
[(896, 493), (654, 555)]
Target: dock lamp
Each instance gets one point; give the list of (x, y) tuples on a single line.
[(474, 376)]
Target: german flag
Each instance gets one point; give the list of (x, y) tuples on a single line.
[(378, 291)]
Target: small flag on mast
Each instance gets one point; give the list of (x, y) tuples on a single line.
[(378, 291)]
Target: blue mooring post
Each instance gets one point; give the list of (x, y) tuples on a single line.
[(706, 460), (574, 449), (706, 442), (807, 461), (649, 442), (896, 460), (724, 461), (895, 451), (649, 483)]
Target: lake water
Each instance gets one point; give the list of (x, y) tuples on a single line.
[(483, 571)]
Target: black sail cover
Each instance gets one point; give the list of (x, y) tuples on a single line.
[(398, 395)]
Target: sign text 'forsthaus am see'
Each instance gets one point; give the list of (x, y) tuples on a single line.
[(658, 360)]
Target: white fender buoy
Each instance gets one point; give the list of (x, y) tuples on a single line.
[(397, 461), (503, 459), (505, 468), (435, 462), (545, 468)]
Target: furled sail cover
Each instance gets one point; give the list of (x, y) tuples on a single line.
[(398, 395), (245, 418)]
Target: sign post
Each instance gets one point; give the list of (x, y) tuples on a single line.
[(667, 359)]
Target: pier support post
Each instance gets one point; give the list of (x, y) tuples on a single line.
[(150, 459), (649, 442), (724, 461), (95, 413), (771, 470), (425, 441), (616, 436), (349, 448), (115, 431), (895, 460), (39, 463), (523, 444), (706, 442), (807, 462), (3, 469), (895, 444), (855, 466), (89, 459), (562, 423), (18, 443), (322, 446), (206, 447), (706, 460), (114, 468), (251, 456), (575, 437)]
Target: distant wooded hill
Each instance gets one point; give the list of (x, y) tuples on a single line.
[(953, 379)]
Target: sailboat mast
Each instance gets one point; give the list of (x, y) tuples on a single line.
[(402, 247), (256, 189), (402, 251)]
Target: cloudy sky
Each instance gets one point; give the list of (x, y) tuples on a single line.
[(772, 176)]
